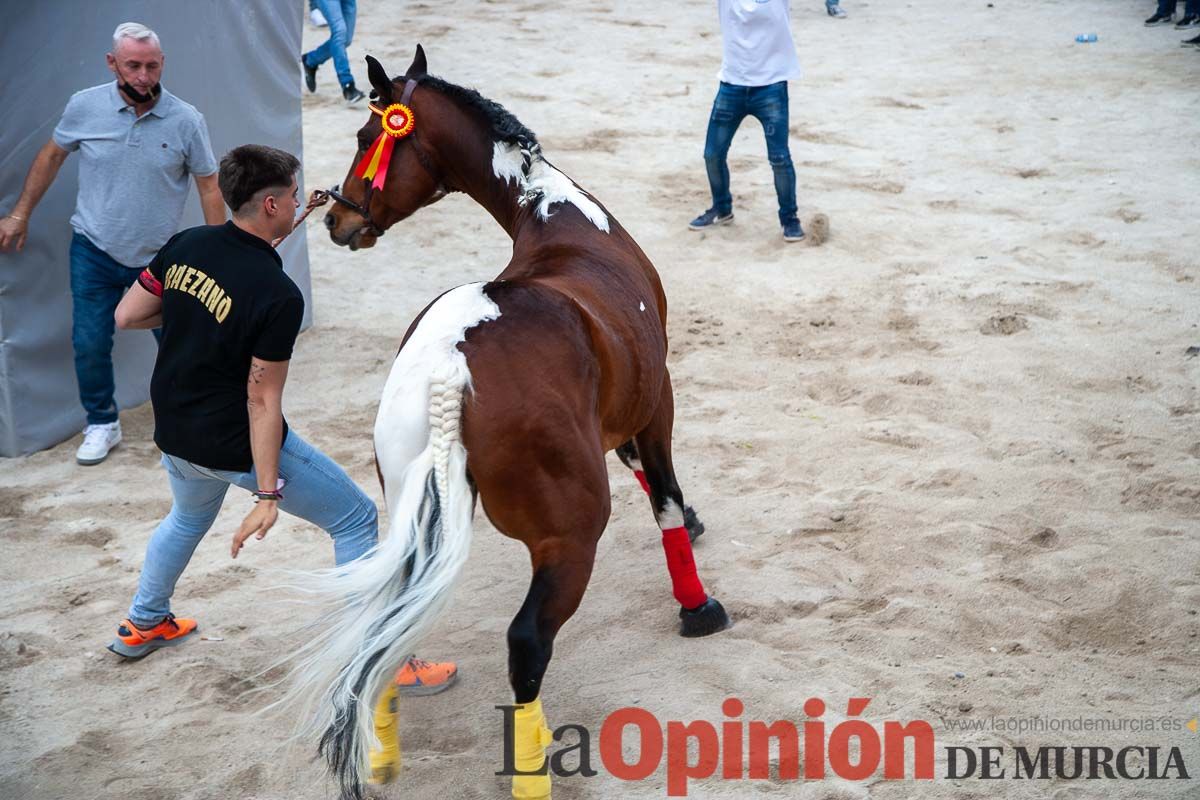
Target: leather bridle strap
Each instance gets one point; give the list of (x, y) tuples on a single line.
[(363, 209)]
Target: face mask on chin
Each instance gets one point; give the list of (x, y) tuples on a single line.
[(133, 94), (137, 97)]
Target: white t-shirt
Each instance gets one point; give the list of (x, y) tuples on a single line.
[(758, 46)]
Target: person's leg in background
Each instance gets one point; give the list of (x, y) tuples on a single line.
[(728, 111), (1191, 15), (769, 105), (834, 9), (341, 30), (197, 498), (315, 16), (1163, 15), (97, 283)]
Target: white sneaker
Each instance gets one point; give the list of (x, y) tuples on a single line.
[(98, 440), (317, 18)]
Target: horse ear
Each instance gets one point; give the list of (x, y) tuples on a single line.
[(379, 79), (419, 67)]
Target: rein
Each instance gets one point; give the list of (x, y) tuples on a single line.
[(318, 198)]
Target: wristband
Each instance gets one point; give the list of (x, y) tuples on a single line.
[(275, 495), (14, 216)]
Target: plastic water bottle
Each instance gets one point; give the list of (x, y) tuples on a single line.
[(1086, 38)]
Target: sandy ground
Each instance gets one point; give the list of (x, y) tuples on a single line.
[(960, 437)]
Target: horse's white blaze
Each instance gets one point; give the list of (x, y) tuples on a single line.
[(553, 186), (670, 515)]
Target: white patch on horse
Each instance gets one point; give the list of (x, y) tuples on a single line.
[(641, 306), (546, 181), (401, 427), (507, 162), (670, 516)]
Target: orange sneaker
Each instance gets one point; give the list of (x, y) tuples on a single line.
[(134, 642), (420, 677)]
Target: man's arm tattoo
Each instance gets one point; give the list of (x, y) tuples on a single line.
[(256, 373)]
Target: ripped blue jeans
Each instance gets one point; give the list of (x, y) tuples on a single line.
[(769, 105)]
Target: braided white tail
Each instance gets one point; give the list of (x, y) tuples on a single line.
[(388, 599)]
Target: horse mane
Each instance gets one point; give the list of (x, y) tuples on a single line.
[(504, 127)]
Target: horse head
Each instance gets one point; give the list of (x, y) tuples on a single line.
[(393, 172)]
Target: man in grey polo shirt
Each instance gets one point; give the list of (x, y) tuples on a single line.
[(138, 146)]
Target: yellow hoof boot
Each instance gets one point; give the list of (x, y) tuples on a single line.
[(385, 760), (531, 737)]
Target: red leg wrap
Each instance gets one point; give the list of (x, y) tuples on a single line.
[(641, 476), (686, 583)]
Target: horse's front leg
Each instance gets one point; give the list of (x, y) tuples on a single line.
[(700, 613)]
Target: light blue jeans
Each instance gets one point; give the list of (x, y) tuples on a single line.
[(340, 14), (316, 489)]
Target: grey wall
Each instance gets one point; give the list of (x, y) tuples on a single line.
[(236, 61)]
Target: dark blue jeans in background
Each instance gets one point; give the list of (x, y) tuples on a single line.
[(1189, 8), (97, 285), (769, 105)]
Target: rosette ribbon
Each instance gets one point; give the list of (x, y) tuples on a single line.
[(397, 122)]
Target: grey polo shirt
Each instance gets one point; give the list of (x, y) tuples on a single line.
[(133, 172)]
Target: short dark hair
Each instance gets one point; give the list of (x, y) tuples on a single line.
[(247, 170)]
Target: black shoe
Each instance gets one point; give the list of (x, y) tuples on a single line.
[(310, 75), (352, 94), (1160, 19), (792, 232), (1190, 21), (1193, 42), (710, 219)]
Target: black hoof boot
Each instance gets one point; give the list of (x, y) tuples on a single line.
[(693, 524), (704, 620)]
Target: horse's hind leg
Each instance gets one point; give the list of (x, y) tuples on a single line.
[(700, 613), (561, 569), (628, 453), (560, 519)]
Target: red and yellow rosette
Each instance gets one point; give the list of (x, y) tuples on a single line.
[(397, 121)]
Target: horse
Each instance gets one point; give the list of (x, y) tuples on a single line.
[(508, 392)]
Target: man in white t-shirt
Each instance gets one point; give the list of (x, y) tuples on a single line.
[(759, 58)]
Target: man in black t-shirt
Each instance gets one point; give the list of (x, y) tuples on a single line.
[(229, 316)]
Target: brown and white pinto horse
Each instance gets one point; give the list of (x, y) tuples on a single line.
[(509, 391)]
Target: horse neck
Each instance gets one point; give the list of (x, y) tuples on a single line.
[(465, 152), (509, 180)]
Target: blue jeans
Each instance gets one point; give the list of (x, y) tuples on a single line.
[(316, 489), (830, 3), (769, 104), (340, 14), (97, 285), (1189, 8)]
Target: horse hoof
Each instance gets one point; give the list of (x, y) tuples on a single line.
[(693, 524), (704, 620)]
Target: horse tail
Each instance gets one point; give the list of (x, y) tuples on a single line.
[(387, 600)]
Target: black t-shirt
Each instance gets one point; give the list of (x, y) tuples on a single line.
[(225, 299)]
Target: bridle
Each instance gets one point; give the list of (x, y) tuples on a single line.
[(363, 209), (320, 197)]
